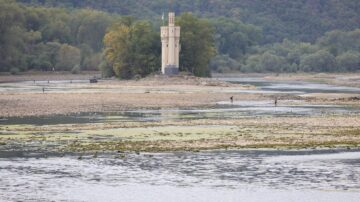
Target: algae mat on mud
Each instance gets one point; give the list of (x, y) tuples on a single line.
[(204, 134)]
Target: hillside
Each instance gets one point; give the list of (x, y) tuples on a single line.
[(238, 35), (301, 20)]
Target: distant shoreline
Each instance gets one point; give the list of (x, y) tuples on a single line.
[(43, 76)]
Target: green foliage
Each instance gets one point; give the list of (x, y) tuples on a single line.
[(92, 62), (266, 62), (349, 61), (249, 35), (76, 69), (338, 42), (12, 36), (30, 37), (67, 57), (224, 63), (43, 56), (272, 63), (106, 70), (14, 71), (322, 60), (299, 20), (332, 52), (132, 49), (89, 27), (197, 44), (41, 63), (234, 38)]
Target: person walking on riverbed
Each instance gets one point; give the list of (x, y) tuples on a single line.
[(276, 101)]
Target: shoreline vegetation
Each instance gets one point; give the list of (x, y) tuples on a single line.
[(255, 36), (316, 131)]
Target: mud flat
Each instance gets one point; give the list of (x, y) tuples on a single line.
[(29, 99), (332, 131), (184, 113)]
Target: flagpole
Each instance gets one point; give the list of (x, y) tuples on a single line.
[(163, 19)]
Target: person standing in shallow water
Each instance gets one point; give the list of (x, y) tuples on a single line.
[(232, 99), (275, 101)]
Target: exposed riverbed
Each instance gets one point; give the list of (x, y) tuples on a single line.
[(139, 141)]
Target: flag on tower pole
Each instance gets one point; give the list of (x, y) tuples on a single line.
[(163, 18)]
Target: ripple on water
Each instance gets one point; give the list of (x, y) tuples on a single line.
[(230, 172)]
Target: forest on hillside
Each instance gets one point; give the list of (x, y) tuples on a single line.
[(300, 20), (246, 35)]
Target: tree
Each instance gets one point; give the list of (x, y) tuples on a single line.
[(67, 57), (12, 36), (92, 62), (223, 63), (56, 27), (272, 63), (349, 61), (89, 27), (253, 64), (338, 42), (234, 38), (132, 48), (299, 20), (197, 44), (320, 61)]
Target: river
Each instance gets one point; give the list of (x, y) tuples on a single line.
[(250, 175)]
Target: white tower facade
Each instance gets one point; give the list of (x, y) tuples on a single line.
[(170, 40)]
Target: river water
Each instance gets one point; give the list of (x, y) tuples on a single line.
[(257, 175), (297, 87), (185, 176)]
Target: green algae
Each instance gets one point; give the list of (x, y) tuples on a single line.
[(159, 146), (174, 133), (177, 136)]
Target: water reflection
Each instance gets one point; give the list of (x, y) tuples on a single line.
[(223, 110), (294, 87)]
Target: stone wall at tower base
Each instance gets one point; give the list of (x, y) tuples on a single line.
[(171, 70)]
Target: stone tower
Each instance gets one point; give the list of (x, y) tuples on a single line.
[(170, 40)]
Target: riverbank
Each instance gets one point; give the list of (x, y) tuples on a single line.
[(45, 76)]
